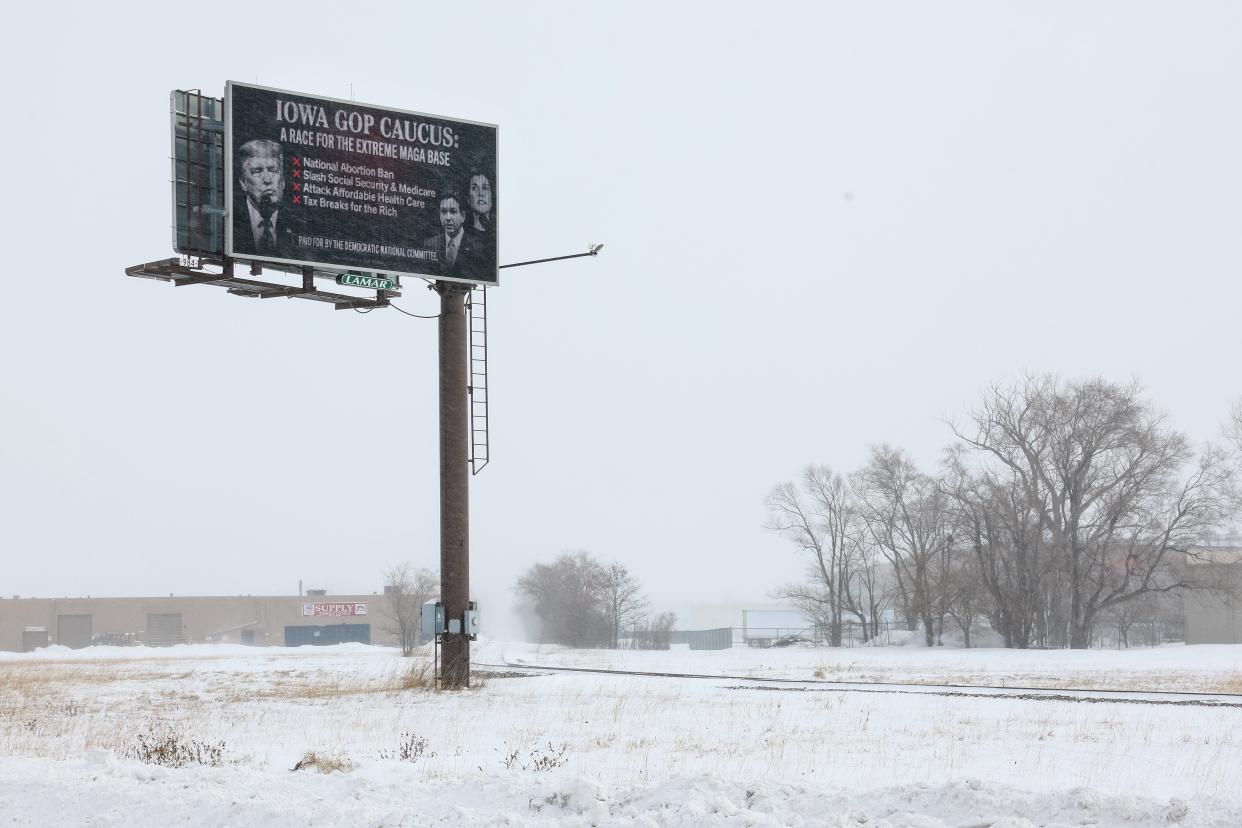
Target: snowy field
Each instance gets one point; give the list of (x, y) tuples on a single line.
[(585, 749)]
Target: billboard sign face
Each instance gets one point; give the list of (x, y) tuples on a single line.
[(197, 174), (335, 609), (344, 186)]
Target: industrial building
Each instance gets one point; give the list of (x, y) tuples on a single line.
[(287, 620), (1215, 616)]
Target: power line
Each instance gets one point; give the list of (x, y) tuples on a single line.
[(415, 315)]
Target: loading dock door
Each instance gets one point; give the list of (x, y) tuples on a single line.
[(73, 631), (327, 634), (164, 629), (33, 640)]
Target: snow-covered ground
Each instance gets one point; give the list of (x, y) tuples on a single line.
[(585, 749)]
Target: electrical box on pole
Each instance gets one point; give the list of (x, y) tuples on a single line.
[(433, 619)]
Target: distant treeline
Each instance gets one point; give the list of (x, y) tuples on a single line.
[(1059, 504)]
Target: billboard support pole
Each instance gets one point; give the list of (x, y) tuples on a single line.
[(454, 483)]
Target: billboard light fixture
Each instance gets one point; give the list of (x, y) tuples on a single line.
[(592, 250)]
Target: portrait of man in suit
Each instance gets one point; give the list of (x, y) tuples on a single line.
[(458, 250), (265, 225)]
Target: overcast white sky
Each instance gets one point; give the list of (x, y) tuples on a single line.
[(826, 225)]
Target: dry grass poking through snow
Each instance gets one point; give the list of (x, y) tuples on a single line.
[(415, 673), (59, 708), (341, 709), (419, 676), (323, 762), (1228, 684)]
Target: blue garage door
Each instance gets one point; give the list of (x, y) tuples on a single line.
[(327, 634)]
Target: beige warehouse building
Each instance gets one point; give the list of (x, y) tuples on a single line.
[(1213, 619), (29, 623), (1215, 616)]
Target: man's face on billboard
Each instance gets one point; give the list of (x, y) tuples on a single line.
[(262, 176), (450, 216)]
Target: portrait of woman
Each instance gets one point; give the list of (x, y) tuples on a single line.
[(479, 194)]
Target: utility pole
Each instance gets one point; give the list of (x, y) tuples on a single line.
[(455, 475), (454, 482)]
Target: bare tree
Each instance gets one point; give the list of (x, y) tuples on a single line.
[(1124, 617), (905, 513), (870, 588), (568, 597), (622, 599), (812, 600), (996, 524), (653, 632), (1235, 424), (406, 589), (822, 519), (964, 595), (1118, 496)]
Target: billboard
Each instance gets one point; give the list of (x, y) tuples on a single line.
[(346, 186), (197, 174)]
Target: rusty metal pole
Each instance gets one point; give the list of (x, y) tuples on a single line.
[(454, 481)]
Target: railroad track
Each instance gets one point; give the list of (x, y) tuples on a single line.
[(973, 691)]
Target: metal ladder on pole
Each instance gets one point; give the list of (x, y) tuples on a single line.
[(476, 308)]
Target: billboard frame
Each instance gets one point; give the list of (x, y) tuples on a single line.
[(330, 266)]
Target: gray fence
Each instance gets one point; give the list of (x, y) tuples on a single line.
[(722, 638), (852, 635), (717, 639)]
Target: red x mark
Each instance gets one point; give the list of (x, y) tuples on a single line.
[(297, 199), (297, 173), (297, 162), (297, 188)]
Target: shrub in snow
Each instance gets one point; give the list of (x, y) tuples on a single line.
[(539, 759), (411, 748)]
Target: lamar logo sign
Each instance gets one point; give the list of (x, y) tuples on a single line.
[(336, 609), (359, 280)]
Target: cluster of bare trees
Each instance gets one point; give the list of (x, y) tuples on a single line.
[(1059, 504), (406, 589), (583, 602)]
